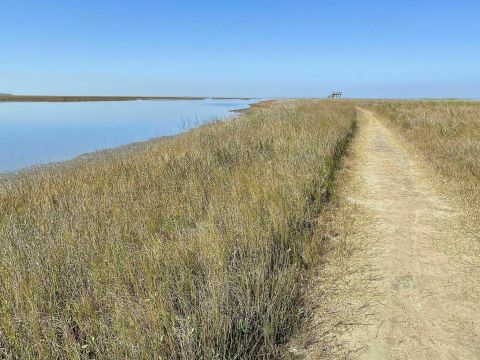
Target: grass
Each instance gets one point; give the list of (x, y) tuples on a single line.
[(190, 247), (447, 136)]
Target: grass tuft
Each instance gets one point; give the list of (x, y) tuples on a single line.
[(188, 247)]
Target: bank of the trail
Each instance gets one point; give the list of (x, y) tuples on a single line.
[(193, 247), (392, 288)]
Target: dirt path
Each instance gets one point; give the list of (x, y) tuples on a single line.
[(401, 292)]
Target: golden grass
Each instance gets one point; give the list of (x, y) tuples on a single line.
[(447, 135), (189, 247)]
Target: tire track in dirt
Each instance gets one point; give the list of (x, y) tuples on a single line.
[(400, 292), (429, 306)]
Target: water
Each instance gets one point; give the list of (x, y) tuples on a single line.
[(40, 133)]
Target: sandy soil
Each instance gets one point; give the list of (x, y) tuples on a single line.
[(399, 284)]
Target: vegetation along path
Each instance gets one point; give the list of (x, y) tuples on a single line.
[(403, 294)]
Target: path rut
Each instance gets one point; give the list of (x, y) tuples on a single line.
[(399, 283), (428, 304)]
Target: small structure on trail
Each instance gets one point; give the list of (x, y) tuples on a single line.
[(335, 95)]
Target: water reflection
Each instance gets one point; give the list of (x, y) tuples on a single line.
[(38, 133)]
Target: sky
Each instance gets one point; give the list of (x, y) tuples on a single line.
[(302, 48)]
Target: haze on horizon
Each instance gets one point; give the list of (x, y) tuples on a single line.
[(248, 48)]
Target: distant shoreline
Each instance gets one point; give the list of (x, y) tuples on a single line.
[(102, 154), (56, 98)]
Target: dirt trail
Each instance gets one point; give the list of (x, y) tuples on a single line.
[(429, 305), (405, 294)]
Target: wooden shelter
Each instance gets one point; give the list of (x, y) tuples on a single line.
[(335, 95)]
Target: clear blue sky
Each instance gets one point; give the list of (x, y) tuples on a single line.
[(241, 48)]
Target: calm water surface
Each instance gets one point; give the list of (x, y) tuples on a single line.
[(39, 133)]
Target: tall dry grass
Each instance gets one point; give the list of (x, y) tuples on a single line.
[(447, 135), (189, 247)]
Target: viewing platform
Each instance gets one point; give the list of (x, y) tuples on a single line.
[(335, 95)]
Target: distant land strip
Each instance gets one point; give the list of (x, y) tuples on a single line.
[(44, 98)]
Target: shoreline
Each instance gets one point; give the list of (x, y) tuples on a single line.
[(101, 154), (257, 105), (60, 98)]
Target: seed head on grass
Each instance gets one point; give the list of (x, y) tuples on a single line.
[(187, 247)]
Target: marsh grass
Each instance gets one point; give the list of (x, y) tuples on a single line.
[(188, 247), (447, 135)]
